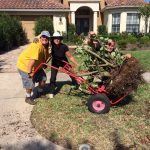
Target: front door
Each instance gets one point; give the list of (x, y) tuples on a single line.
[(82, 25)]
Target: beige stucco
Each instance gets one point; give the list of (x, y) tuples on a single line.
[(123, 18), (92, 5), (28, 27), (61, 18), (28, 21), (60, 23)]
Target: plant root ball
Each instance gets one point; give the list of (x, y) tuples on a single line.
[(126, 78)]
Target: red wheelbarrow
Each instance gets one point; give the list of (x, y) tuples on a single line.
[(99, 102)]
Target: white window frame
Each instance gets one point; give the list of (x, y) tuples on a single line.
[(133, 23), (116, 22)]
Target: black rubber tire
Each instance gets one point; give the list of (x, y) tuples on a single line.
[(100, 98)]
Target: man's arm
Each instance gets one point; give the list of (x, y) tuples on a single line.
[(30, 66)]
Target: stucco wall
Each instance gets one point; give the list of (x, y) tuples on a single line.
[(123, 18), (60, 23), (28, 23)]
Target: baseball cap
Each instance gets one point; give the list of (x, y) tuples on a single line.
[(45, 33)]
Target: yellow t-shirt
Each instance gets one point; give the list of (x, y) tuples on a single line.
[(35, 51)]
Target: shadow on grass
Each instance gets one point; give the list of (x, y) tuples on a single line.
[(59, 85), (125, 101), (117, 142), (34, 145), (47, 87)]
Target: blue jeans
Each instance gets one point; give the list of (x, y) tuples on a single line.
[(28, 83)]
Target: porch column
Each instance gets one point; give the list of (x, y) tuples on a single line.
[(123, 22), (95, 22), (73, 17), (109, 23)]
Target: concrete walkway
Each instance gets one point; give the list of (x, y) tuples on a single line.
[(16, 131)]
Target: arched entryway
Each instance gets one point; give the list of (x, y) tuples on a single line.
[(84, 20)]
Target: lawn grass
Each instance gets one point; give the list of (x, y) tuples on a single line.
[(65, 120), (144, 58)]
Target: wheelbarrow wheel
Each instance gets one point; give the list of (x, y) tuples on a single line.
[(99, 103)]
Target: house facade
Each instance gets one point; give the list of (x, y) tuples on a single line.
[(87, 15), (123, 16)]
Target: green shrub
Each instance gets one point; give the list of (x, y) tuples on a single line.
[(102, 30), (148, 34), (144, 40), (124, 35), (114, 36), (43, 23), (71, 29), (11, 32), (122, 44), (131, 39), (137, 35), (71, 37)]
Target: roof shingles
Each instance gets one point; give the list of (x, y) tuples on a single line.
[(31, 4), (113, 3)]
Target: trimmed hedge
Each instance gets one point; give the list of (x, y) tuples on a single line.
[(130, 41), (11, 32)]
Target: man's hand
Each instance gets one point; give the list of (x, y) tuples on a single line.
[(31, 74)]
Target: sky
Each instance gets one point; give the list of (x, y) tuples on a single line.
[(147, 0)]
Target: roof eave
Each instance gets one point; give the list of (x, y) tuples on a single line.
[(114, 7), (36, 10), (83, 1)]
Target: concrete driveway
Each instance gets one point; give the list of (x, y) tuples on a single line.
[(16, 131)]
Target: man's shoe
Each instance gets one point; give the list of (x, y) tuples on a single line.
[(30, 100)]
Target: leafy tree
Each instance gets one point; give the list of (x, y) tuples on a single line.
[(43, 23), (145, 13)]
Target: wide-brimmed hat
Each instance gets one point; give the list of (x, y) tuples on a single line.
[(57, 35)]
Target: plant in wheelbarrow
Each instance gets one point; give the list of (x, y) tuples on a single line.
[(110, 75)]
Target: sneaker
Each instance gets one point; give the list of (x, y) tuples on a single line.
[(50, 95), (30, 100)]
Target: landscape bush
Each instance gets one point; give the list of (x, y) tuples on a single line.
[(114, 36), (122, 44), (132, 39), (43, 23), (144, 40), (102, 30), (71, 37), (11, 31)]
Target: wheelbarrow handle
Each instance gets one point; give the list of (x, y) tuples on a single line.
[(40, 66)]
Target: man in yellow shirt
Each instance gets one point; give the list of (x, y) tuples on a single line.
[(29, 60)]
